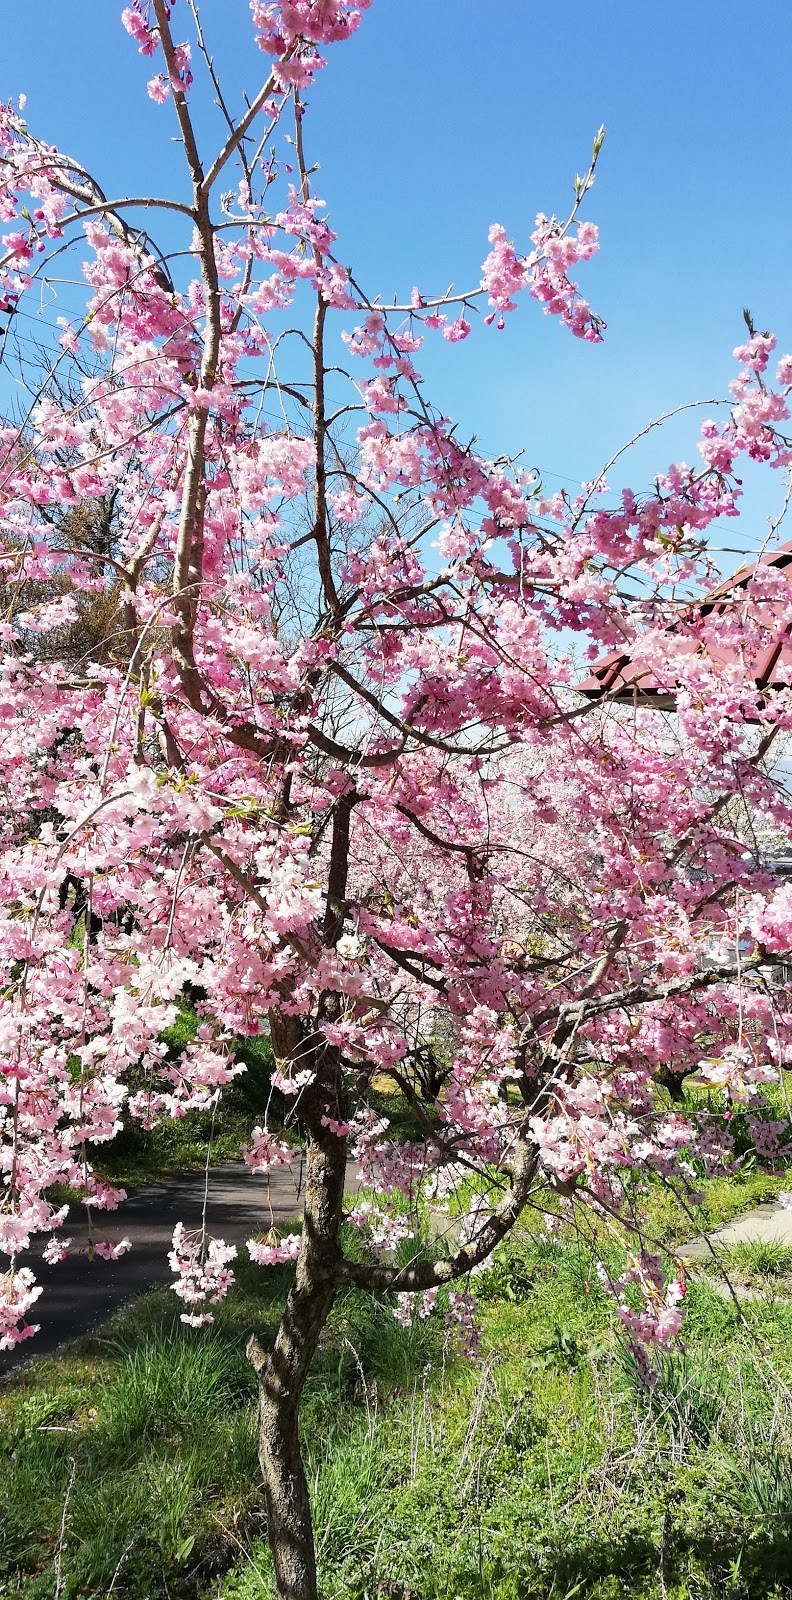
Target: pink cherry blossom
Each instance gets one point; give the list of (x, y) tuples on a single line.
[(293, 731)]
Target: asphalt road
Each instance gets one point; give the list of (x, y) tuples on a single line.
[(79, 1294)]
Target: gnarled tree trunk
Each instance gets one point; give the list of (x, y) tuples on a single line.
[(282, 1373)]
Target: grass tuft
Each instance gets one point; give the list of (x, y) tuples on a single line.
[(753, 1259), (172, 1386)]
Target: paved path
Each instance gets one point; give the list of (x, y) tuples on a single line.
[(770, 1222), (79, 1294)]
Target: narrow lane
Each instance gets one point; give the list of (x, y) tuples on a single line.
[(79, 1294)]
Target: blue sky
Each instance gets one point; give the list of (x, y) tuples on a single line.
[(441, 116)]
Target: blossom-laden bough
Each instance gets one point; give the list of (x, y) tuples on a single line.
[(288, 716)]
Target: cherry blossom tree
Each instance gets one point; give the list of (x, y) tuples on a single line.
[(288, 715)]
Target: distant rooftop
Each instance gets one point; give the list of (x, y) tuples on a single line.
[(627, 682)]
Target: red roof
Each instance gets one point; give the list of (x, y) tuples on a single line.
[(617, 676)]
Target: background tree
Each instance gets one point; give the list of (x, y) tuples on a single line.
[(314, 746)]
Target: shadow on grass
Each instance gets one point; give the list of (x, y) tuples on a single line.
[(755, 1566)]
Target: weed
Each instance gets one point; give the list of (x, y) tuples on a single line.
[(172, 1386), (686, 1400), (757, 1258), (762, 1488)]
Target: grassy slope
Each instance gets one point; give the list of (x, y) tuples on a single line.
[(542, 1470)]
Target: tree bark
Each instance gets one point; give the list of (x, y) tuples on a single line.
[(282, 1373), (288, 1507)]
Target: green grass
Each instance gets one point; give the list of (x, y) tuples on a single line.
[(145, 1434), (755, 1263), (547, 1470), (543, 1470)]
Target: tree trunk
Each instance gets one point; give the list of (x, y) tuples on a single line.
[(289, 1522), (283, 1370)]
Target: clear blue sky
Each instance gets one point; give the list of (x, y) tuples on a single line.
[(431, 123)]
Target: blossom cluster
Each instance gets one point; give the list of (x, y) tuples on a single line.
[(290, 734), (202, 1271)]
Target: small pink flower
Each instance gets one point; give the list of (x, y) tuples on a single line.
[(55, 1250), (112, 1252), (459, 329), (158, 89)]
